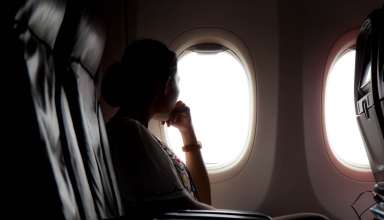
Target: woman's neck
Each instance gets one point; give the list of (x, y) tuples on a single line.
[(141, 116)]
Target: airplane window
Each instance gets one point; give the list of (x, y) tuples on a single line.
[(342, 130), (217, 89)]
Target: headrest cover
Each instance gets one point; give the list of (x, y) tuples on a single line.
[(368, 47), (89, 44), (43, 18)]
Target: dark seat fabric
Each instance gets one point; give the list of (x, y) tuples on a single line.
[(59, 161), (86, 40), (369, 89), (369, 98), (38, 182)]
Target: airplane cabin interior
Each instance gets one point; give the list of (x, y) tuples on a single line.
[(262, 109)]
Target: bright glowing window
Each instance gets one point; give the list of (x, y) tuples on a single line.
[(217, 89), (342, 129)]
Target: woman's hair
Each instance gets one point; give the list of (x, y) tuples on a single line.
[(142, 72)]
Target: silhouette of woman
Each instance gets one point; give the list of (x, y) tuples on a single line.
[(150, 176)]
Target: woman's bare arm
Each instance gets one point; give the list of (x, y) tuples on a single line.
[(196, 167), (181, 119)]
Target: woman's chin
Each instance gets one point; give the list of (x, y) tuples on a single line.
[(161, 116)]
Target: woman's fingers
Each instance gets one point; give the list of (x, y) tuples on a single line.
[(179, 116), (180, 103), (180, 108)]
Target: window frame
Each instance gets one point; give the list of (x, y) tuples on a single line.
[(222, 166), (342, 45)]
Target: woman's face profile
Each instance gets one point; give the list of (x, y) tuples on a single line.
[(173, 92), (167, 101)]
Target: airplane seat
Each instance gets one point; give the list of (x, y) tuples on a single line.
[(369, 89), (43, 172), (369, 98), (79, 50), (60, 166)]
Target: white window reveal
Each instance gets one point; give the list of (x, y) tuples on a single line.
[(342, 129), (216, 87)]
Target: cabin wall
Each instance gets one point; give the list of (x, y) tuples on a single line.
[(120, 28), (289, 41), (116, 35), (290, 190)]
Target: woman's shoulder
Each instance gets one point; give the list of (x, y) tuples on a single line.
[(124, 124), (124, 129), (128, 129)]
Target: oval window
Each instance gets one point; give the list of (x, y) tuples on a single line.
[(343, 134), (216, 87)]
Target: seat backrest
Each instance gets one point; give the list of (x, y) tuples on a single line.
[(369, 89), (81, 47), (44, 176), (59, 158)]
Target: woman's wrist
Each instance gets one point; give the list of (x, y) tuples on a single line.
[(192, 147), (189, 137), (190, 140)]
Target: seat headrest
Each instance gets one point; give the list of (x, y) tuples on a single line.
[(369, 43), (43, 18), (89, 44)]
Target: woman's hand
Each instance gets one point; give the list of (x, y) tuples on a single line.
[(180, 118)]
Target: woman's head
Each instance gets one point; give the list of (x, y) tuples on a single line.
[(144, 79)]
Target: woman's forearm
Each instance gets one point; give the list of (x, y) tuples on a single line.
[(199, 175), (197, 168), (181, 118)]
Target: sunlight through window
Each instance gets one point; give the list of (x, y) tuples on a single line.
[(217, 89), (342, 129)]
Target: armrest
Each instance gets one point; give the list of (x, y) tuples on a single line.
[(212, 215), (198, 215)]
